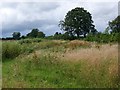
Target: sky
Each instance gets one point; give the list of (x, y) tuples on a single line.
[(22, 16)]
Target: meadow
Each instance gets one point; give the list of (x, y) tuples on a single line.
[(40, 63)]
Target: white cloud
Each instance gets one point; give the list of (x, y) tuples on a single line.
[(119, 8), (59, 0)]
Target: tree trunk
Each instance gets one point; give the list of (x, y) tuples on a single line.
[(78, 35), (84, 35)]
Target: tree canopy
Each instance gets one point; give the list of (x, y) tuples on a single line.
[(16, 35), (40, 34), (115, 25), (78, 22), (35, 33)]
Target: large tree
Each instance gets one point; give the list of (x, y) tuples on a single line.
[(16, 35), (78, 22), (115, 25)]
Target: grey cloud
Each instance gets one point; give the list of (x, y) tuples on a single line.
[(46, 15), (102, 13), (9, 5), (50, 29), (105, 9), (119, 8), (28, 26), (37, 7), (44, 6), (30, 9)]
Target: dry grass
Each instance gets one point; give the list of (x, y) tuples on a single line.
[(77, 43), (93, 54), (106, 56)]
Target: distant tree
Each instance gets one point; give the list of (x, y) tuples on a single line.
[(106, 30), (36, 33), (66, 36), (78, 21), (115, 25), (40, 35), (33, 33), (56, 34), (16, 35), (23, 37), (60, 33)]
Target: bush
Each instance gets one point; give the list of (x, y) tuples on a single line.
[(103, 38), (114, 37), (64, 36), (11, 50)]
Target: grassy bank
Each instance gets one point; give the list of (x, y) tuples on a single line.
[(57, 64)]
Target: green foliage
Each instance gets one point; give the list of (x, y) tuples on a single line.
[(35, 33), (35, 40), (115, 37), (115, 25), (78, 21), (58, 36), (16, 35), (103, 38), (10, 50), (14, 49), (23, 37), (106, 30), (107, 36), (48, 44), (65, 36), (40, 35), (49, 37)]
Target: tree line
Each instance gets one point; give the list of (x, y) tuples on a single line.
[(78, 24)]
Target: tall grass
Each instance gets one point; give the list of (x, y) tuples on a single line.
[(51, 64), (12, 49), (28, 41), (77, 43)]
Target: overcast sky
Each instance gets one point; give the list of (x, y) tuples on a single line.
[(45, 15)]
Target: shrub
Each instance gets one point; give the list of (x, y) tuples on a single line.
[(103, 38), (11, 50), (114, 37)]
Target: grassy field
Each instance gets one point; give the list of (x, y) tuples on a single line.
[(59, 64)]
